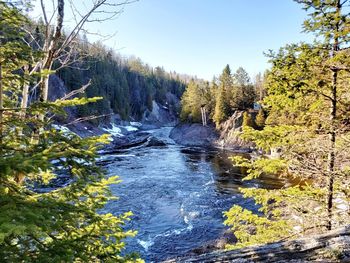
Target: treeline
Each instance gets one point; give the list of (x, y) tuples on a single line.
[(222, 96)]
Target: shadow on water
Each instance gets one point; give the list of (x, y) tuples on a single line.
[(177, 195)]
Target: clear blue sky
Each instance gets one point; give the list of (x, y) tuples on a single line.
[(199, 37)]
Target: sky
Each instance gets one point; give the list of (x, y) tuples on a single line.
[(199, 37)]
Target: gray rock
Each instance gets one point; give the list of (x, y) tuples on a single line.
[(155, 142), (194, 135)]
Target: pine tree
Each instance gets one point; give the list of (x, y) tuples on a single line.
[(226, 85), (40, 220), (243, 94), (307, 104), (220, 108)]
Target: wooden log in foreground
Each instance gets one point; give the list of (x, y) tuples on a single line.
[(333, 246)]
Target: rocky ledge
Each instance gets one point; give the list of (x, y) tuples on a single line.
[(194, 135), (333, 246)]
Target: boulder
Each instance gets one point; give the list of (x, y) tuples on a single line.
[(125, 142), (155, 142)]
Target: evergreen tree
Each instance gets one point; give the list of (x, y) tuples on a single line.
[(260, 119), (195, 96), (307, 103), (220, 108), (247, 120), (243, 94), (41, 221), (226, 85)]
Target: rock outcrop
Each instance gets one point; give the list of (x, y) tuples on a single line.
[(333, 246), (229, 134), (194, 135), (226, 136), (126, 142), (160, 114)]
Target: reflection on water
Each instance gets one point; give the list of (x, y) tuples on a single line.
[(177, 195)]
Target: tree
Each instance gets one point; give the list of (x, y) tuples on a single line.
[(307, 101), (259, 87), (220, 108), (59, 48), (330, 20), (42, 220), (243, 95), (260, 119), (226, 85), (195, 96), (248, 120)]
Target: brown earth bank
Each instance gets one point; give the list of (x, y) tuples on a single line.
[(333, 246)]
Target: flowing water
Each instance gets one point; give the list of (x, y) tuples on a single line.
[(177, 194)]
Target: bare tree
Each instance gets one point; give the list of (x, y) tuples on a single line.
[(63, 47)]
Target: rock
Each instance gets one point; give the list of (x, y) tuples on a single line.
[(227, 136), (333, 246), (230, 131), (194, 135), (155, 142), (126, 142), (163, 115), (218, 244)]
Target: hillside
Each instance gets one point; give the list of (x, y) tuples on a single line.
[(129, 87)]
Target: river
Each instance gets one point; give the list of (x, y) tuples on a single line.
[(177, 194)]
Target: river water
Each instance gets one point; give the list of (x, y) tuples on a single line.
[(177, 194)]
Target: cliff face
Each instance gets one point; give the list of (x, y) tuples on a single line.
[(160, 115), (229, 132), (333, 246), (163, 114)]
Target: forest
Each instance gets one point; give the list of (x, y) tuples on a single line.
[(54, 190), (128, 86)]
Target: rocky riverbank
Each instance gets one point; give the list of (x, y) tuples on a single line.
[(226, 136), (194, 135)]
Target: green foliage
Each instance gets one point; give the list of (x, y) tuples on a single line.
[(192, 100), (307, 103), (220, 108), (221, 98), (243, 93), (41, 218), (260, 119), (197, 94), (128, 86), (248, 120), (261, 166), (252, 229)]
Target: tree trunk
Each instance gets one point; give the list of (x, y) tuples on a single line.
[(331, 154), (25, 94), (332, 134), (51, 48)]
